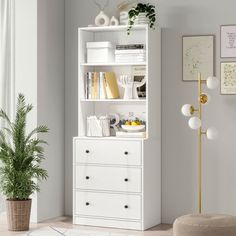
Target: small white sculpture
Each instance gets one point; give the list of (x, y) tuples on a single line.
[(102, 19), (130, 86), (114, 21), (124, 18)]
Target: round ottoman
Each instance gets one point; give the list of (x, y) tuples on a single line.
[(205, 225)]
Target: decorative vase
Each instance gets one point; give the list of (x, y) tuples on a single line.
[(114, 21), (124, 17), (141, 19), (102, 19), (18, 214)]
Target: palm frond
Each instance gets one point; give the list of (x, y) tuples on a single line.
[(5, 117), (37, 130), (21, 154)]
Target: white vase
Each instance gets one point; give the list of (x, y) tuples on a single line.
[(124, 17), (102, 19), (141, 19), (114, 21)]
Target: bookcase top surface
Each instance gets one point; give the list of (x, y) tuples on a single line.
[(113, 28)]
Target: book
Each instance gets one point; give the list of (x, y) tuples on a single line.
[(89, 85), (101, 85), (102, 88), (131, 51), (130, 46), (111, 86), (92, 85)]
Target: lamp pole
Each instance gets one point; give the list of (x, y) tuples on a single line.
[(199, 145)]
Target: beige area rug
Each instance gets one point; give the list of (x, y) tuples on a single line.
[(51, 231)]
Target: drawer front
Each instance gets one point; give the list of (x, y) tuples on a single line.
[(108, 152), (108, 178), (108, 205)]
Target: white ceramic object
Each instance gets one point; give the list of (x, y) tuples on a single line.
[(133, 128), (124, 18), (130, 86), (212, 82), (186, 110), (114, 21), (194, 123), (212, 133), (102, 19), (141, 19)]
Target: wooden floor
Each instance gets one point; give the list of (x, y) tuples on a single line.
[(66, 222)]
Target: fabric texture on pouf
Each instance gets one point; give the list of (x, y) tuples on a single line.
[(205, 225)]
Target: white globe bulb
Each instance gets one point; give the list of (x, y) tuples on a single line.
[(187, 110), (194, 123), (212, 133), (212, 82)]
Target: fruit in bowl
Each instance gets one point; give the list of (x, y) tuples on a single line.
[(133, 125)]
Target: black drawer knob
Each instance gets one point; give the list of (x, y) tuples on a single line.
[(87, 203), (126, 180), (87, 177), (126, 206), (87, 151), (126, 153)]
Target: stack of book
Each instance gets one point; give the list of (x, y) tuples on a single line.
[(130, 53), (101, 85)]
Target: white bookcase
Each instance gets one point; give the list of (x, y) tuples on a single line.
[(117, 181)]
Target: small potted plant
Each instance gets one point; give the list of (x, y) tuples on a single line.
[(21, 155), (142, 14)]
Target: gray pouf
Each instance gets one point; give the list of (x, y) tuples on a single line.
[(205, 225)]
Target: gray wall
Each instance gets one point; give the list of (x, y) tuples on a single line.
[(40, 75), (179, 143), (51, 99)]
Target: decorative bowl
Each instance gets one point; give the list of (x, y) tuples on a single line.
[(133, 128)]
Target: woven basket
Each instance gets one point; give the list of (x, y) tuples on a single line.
[(18, 215)]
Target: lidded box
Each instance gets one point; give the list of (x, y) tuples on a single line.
[(100, 52)]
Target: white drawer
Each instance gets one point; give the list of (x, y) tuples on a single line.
[(108, 205), (108, 152), (108, 178)]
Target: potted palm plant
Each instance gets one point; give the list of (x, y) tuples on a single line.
[(21, 155)]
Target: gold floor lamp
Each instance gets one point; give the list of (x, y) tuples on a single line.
[(195, 122)]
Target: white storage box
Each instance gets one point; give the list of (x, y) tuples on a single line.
[(100, 52)]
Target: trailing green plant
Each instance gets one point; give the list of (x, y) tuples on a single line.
[(142, 8), (21, 154)]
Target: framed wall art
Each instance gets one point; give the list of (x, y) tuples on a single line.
[(228, 41), (138, 74), (198, 56), (228, 77)]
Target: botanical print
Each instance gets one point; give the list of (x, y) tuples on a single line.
[(228, 78), (198, 56)]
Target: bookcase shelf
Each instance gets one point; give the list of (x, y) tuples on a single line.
[(114, 28), (113, 100), (114, 64)]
